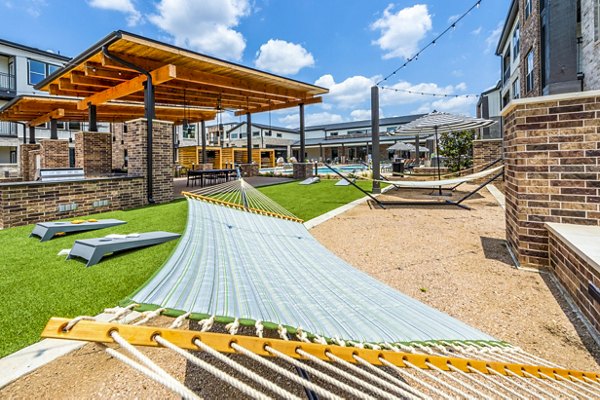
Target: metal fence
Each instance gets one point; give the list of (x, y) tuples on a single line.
[(7, 82), (8, 129)]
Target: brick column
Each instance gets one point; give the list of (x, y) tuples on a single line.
[(162, 156), (303, 171), (25, 160), (93, 153), (55, 153), (552, 158), (485, 152), (118, 145), (248, 170)]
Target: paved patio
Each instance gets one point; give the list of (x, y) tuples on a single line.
[(256, 181)]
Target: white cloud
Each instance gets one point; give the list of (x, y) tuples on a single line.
[(461, 87), (402, 95), (458, 73), (124, 6), (492, 40), (349, 93), (293, 121), (283, 57), (205, 26), (464, 105), (453, 18), (402, 31), (360, 115), (477, 31)]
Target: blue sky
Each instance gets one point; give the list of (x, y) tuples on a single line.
[(345, 46)]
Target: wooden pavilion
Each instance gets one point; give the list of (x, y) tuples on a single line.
[(132, 68)]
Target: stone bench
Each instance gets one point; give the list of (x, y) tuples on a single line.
[(574, 255)]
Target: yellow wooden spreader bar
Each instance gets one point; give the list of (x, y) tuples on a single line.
[(93, 331), (241, 207)]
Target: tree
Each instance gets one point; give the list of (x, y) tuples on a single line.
[(457, 147)]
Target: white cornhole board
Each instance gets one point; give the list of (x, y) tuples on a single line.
[(344, 182), (310, 181)]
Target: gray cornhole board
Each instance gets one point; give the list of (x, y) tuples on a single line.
[(310, 181), (47, 230), (94, 249), (343, 182)]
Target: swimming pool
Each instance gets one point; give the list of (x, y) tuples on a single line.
[(344, 169)]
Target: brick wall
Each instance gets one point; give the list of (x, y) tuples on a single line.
[(485, 152), (118, 145), (54, 153), (303, 171), (590, 49), (25, 163), (575, 274), (530, 40), (552, 169), (162, 156), (31, 202), (93, 152)]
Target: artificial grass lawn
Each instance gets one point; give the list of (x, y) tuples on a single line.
[(36, 284), (310, 201)]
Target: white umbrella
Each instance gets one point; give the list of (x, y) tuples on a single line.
[(440, 122)]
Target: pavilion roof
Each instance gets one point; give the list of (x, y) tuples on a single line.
[(180, 77), (39, 109)]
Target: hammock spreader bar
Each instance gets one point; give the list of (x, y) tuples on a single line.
[(99, 332)]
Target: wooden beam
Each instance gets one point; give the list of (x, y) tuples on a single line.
[(56, 114), (97, 71), (312, 100), (159, 75)]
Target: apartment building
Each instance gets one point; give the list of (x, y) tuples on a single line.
[(488, 107), (549, 47)]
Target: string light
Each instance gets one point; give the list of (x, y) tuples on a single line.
[(427, 94), (432, 43)]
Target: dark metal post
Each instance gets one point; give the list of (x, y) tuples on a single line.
[(321, 151), (375, 139), (93, 126), (175, 144), (302, 134), (31, 134), (418, 150), (203, 134), (249, 136), (437, 158), (53, 129)]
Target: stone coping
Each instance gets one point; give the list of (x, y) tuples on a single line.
[(546, 99), (85, 180), (488, 140), (582, 239)]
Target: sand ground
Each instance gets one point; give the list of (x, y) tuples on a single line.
[(450, 258)]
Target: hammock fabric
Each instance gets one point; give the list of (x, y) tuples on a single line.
[(447, 182), (237, 264)]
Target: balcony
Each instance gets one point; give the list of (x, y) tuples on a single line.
[(8, 129), (8, 85)]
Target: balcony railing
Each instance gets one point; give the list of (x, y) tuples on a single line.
[(8, 129), (8, 82)]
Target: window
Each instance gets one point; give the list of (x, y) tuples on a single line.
[(506, 99), (268, 133), (529, 72), (390, 129), (506, 67), (189, 131), (333, 134), (516, 88), (516, 41), (38, 71), (279, 135), (74, 126), (527, 8), (234, 135), (256, 133)]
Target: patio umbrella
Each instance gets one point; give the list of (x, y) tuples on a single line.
[(440, 122), (401, 146)]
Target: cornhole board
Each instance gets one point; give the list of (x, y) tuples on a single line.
[(47, 230), (310, 181), (93, 250), (344, 182)]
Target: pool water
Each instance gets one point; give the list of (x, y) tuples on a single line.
[(344, 169)]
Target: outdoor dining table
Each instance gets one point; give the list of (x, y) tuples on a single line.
[(194, 175)]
